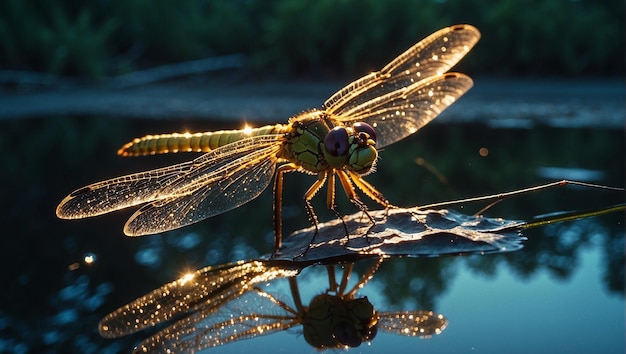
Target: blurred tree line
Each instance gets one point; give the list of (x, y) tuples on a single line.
[(319, 38)]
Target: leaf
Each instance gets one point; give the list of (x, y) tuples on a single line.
[(402, 232)]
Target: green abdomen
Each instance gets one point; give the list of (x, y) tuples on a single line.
[(192, 142)]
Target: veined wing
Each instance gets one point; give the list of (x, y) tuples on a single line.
[(171, 182), (212, 188), (119, 193), (204, 290), (398, 114), (412, 323), (432, 56), (253, 314)]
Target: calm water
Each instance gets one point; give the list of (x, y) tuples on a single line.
[(564, 291)]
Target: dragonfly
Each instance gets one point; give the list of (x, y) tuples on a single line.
[(224, 304), (340, 140)]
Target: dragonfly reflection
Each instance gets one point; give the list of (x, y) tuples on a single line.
[(341, 139), (217, 306)]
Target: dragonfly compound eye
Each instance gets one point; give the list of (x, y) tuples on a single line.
[(361, 127), (336, 141), (345, 334)]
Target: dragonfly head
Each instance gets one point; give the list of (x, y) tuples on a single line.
[(353, 147), (333, 322), (360, 326)]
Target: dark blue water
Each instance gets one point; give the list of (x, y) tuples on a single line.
[(564, 291)]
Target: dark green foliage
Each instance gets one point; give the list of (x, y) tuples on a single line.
[(313, 38), (43, 36)]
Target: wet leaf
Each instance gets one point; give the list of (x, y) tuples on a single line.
[(402, 232)]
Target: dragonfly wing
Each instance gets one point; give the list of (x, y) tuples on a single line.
[(215, 185), (204, 289), (412, 323), (400, 113), (252, 314), (142, 187), (119, 193), (432, 56)]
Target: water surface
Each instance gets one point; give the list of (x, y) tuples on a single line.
[(564, 291)]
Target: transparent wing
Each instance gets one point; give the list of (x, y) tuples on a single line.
[(252, 314), (431, 57), (412, 323), (434, 55), (119, 193), (398, 114), (206, 289), (184, 186), (208, 191)]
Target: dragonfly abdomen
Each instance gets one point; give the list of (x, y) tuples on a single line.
[(192, 142)]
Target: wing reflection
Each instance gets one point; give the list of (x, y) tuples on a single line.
[(219, 305), (206, 289)]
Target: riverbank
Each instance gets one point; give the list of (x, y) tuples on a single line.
[(501, 103)]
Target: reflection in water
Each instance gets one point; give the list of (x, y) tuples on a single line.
[(36, 259), (220, 305), (224, 304), (207, 288)]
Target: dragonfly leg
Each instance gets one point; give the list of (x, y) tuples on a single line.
[(347, 178), (345, 278), (365, 278), (369, 190), (278, 203), (332, 281), (321, 179), (310, 193), (346, 183), (330, 201), (295, 294)]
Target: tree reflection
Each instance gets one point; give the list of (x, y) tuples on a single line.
[(554, 248)]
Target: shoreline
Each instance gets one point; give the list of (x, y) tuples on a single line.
[(496, 102)]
